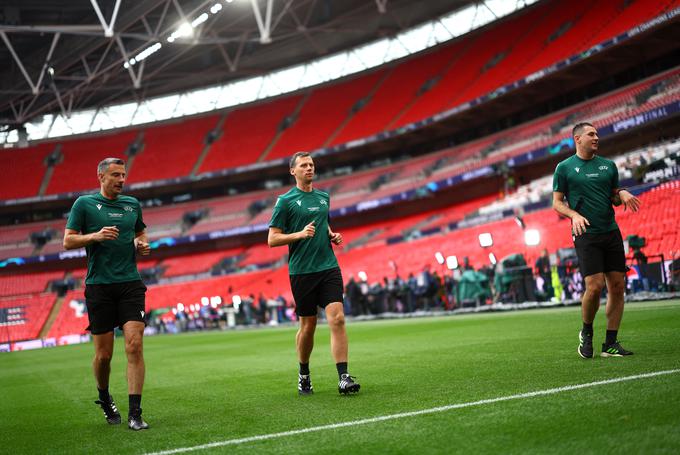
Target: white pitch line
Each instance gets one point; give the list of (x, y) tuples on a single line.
[(537, 393)]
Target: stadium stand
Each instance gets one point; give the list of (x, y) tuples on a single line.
[(72, 316), (196, 263), (28, 169), (322, 113), (240, 143), (171, 150), (25, 316), (27, 283), (78, 170)]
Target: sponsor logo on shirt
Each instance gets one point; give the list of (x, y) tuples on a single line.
[(313, 209), (115, 215), (592, 175)]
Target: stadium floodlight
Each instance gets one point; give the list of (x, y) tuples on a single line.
[(485, 239), (362, 276), (452, 262), (185, 30), (532, 237), (492, 259), (439, 257)]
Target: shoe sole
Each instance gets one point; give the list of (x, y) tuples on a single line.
[(606, 354), (582, 356), (350, 390), (137, 429)]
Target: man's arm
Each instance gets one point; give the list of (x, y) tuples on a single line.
[(142, 243), (277, 237), (74, 240), (578, 222), (625, 197), (335, 237)]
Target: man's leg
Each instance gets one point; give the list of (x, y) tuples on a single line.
[(101, 364), (134, 349), (336, 323), (615, 293), (614, 309), (590, 303), (134, 335), (304, 339)]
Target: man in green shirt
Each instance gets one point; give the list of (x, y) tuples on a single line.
[(300, 220), (591, 184), (110, 227)]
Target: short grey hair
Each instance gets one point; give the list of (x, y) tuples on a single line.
[(106, 162), (297, 155)]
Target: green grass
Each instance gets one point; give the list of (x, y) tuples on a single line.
[(208, 387)]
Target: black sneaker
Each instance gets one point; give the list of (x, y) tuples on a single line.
[(614, 350), (585, 345), (110, 411), (305, 384), (346, 385), (136, 422)]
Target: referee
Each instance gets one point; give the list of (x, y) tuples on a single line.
[(315, 277), (110, 227), (591, 185)]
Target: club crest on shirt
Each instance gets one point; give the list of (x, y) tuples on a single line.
[(128, 208), (603, 168), (322, 202)]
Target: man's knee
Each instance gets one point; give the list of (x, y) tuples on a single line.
[(616, 286), (595, 284), (336, 320), (133, 345), (103, 356)]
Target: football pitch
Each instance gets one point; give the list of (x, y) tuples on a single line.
[(484, 383)]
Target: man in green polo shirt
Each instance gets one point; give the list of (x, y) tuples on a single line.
[(591, 184), (300, 220), (110, 227)]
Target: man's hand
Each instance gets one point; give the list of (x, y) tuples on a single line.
[(335, 237), (142, 247), (308, 232), (578, 224), (629, 201), (106, 233)]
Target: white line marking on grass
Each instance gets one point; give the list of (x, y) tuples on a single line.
[(537, 393)]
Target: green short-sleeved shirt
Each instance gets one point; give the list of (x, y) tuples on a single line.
[(292, 212), (588, 186), (111, 261)]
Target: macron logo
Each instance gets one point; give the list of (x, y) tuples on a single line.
[(99, 206), (299, 202), (577, 169), (142, 313)]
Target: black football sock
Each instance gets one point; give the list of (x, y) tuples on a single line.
[(304, 369), (104, 395), (611, 337), (588, 329), (342, 368), (135, 403)]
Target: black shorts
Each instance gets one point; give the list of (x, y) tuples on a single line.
[(600, 253), (311, 290), (112, 305)]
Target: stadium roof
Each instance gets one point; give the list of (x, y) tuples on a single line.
[(64, 56)]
